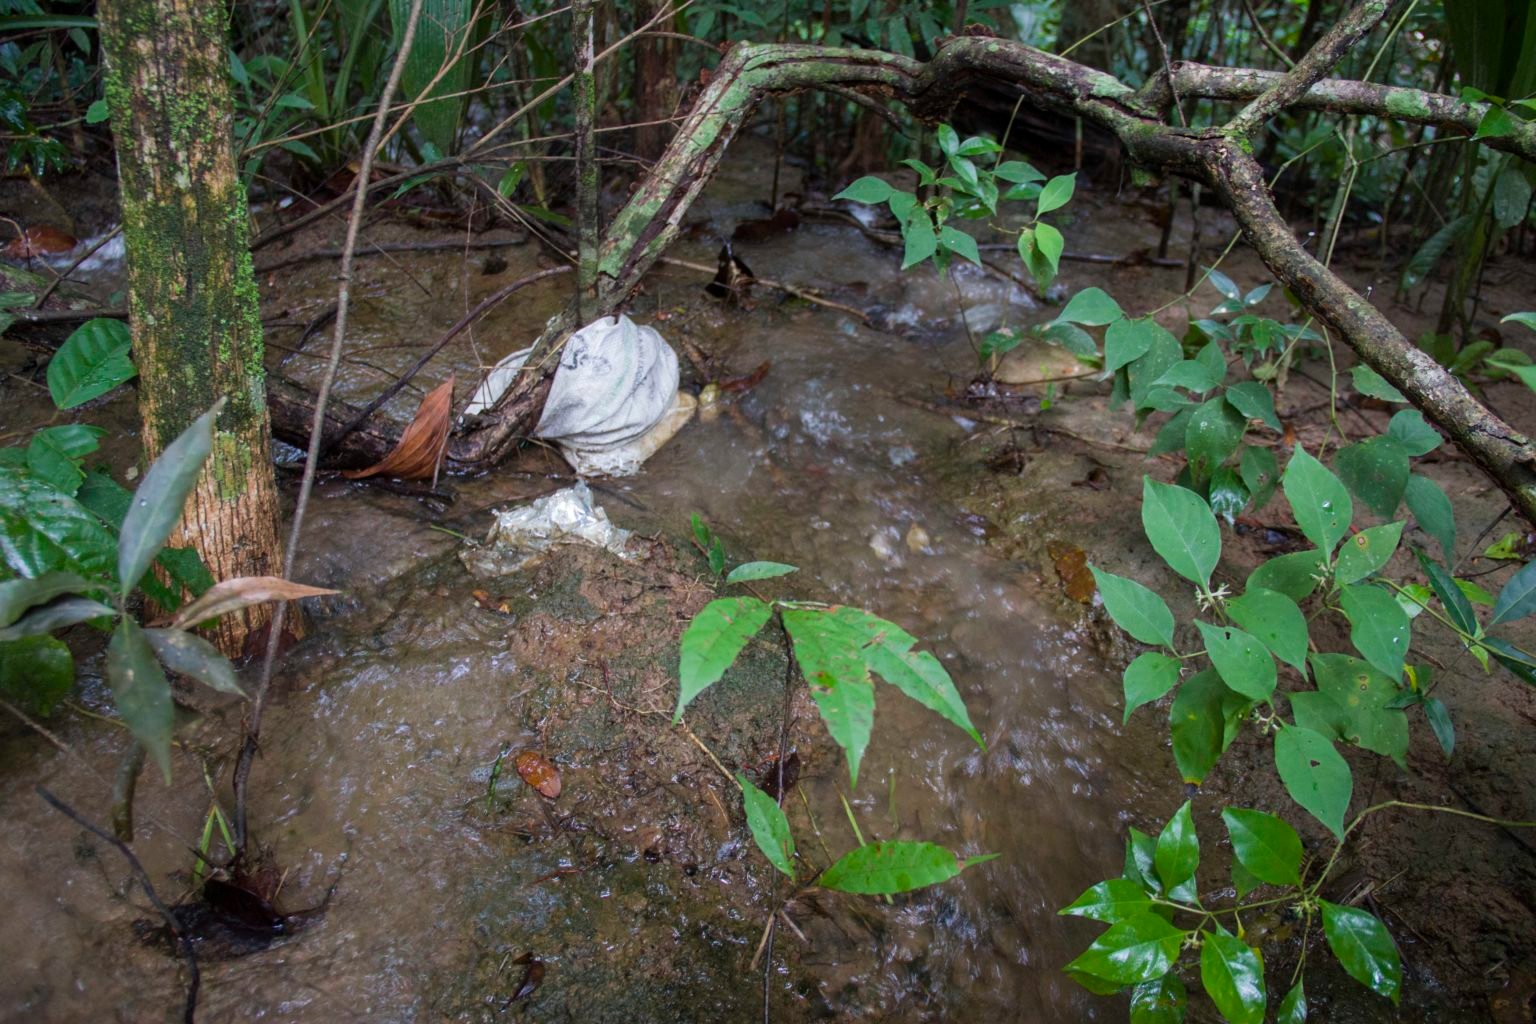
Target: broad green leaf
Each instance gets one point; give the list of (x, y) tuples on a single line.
[(1276, 621), (1260, 473), (1255, 401), (960, 243), (1378, 627), (162, 495), (1177, 855), (922, 241), (37, 672), (1198, 725), (1228, 495), (1243, 880), (749, 571), (712, 641), (1375, 471), (1213, 432), (1159, 1001), (97, 112), (1356, 700), (16, 596), (1293, 1008), (56, 614), (1265, 845), (1134, 950), (1128, 340), (1314, 774), (1295, 575), (1518, 597), (1111, 901), (1429, 505), (1098, 986), (1070, 337), (1142, 373), (1051, 245), (1415, 435), (1424, 259), (1191, 375), (1092, 307), (1182, 529), (1055, 194), (1017, 172), (42, 530), (141, 692), (921, 676), (1511, 196), (1527, 319), (1243, 663), (1364, 948), (1372, 384), (1147, 679), (1171, 437), (769, 827), (948, 140), (190, 655), (1035, 260), (437, 68), (1222, 283), (831, 657), (1366, 552), (1140, 854), (1440, 723), (884, 868), (868, 189), (1455, 602), (1233, 977), (1320, 503), (92, 361), (1135, 608), (54, 454)]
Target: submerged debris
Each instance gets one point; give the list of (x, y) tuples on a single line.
[(521, 535)]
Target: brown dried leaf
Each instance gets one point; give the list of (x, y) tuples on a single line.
[(39, 240), (1072, 567), (746, 382), (420, 450), (242, 592), (539, 772)]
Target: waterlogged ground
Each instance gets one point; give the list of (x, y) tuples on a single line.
[(637, 890)]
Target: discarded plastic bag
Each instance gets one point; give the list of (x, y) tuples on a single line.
[(614, 399), (521, 535)]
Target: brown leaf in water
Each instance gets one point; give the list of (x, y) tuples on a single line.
[(533, 977), (39, 240), (240, 907), (746, 382), (1096, 480), (420, 450), (242, 592), (539, 772), (484, 599), (1072, 567)]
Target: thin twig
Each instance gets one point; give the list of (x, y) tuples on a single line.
[(788, 289), (47, 292)]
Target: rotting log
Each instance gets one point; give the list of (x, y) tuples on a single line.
[(1216, 157)]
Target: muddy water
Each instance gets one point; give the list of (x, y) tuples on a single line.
[(374, 775)]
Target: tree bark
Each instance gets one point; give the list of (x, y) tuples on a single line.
[(192, 298)]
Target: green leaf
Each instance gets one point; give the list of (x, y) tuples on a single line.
[(1056, 193), (1228, 495), (1527, 319), (1255, 401), (1451, 597), (1128, 340), (1440, 724), (17, 595), (1017, 172), (1233, 977), (1415, 435), (1429, 505), (1320, 502), (1264, 844), (1182, 529), (1354, 703), (1378, 627), (1260, 473), (191, 655), (37, 672), (1243, 663), (922, 241), (141, 692), (1111, 901), (1135, 609), (42, 530), (885, 868), (56, 614), (1511, 196), (1276, 621), (1295, 575), (1051, 245), (769, 827), (1223, 284), (868, 189), (1518, 598), (1243, 881), (831, 657), (92, 361), (97, 112), (923, 677), (712, 642), (54, 454), (1495, 124), (1092, 307), (1422, 263), (1314, 774), (1178, 853), (1070, 337), (162, 495), (1376, 472), (1366, 552), (1373, 385), (1212, 434), (1137, 949), (1140, 852), (1191, 375), (959, 243), (1159, 1001), (1143, 372), (1147, 679), (949, 142), (749, 571), (1197, 722), (1364, 948), (1293, 1008)]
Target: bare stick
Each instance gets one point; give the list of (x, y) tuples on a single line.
[(47, 292)]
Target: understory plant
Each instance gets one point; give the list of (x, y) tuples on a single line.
[(838, 651)]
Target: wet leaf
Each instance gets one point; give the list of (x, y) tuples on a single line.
[(56, 614), (419, 452), (1233, 977), (1177, 854), (1366, 552), (44, 531), (1416, 436), (1212, 434), (242, 908), (1091, 307), (1147, 679), (1255, 401), (16, 596), (712, 642), (1295, 575), (1159, 1001), (1293, 1008), (1376, 472), (831, 657), (1243, 663), (884, 868), (533, 977), (1364, 947), (1136, 609), (242, 592), (1182, 530), (769, 827), (190, 655), (749, 571), (1455, 602), (1314, 775), (1140, 852), (158, 503), (1266, 846), (1137, 949), (1440, 723), (1128, 340), (1111, 901), (92, 361), (1378, 627), (1276, 621), (1072, 567), (1197, 723), (1260, 473), (539, 772), (1518, 598), (36, 672), (141, 691), (54, 454), (1319, 501)]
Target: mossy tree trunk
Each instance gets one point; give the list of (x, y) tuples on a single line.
[(191, 293)]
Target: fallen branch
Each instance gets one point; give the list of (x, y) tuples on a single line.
[(787, 289), (381, 248)]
